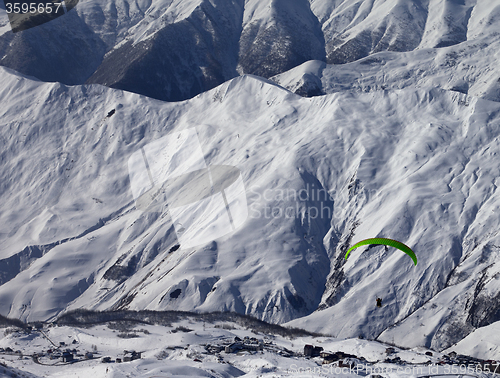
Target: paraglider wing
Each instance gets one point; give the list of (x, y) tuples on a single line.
[(389, 242)]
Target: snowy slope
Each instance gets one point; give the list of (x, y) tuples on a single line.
[(483, 343), (414, 165), (107, 229), (469, 67)]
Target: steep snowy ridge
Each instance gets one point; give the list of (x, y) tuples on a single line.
[(357, 29), (447, 23), (414, 165), (139, 238), (178, 49), (458, 165)]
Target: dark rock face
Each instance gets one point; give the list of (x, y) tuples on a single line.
[(175, 294), (310, 87), (485, 310), (349, 51), (120, 273), (180, 61), (294, 38)]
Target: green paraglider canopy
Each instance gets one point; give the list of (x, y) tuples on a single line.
[(384, 241)]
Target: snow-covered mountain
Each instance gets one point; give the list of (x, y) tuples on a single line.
[(402, 143), (173, 50), (415, 165)]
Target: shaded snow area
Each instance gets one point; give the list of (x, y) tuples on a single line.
[(188, 346), (175, 49)]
